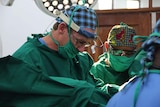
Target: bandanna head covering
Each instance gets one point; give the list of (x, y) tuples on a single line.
[(121, 35), (84, 17)]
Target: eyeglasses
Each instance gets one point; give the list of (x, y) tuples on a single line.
[(80, 42), (118, 52)]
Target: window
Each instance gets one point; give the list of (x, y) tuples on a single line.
[(124, 4)]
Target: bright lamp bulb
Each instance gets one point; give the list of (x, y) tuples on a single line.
[(46, 4), (65, 2), (90, 1), (55, 3), (50, 6)]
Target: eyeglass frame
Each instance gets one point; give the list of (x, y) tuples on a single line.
[(79, 42)]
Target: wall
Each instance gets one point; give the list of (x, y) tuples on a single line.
[(19, 21)]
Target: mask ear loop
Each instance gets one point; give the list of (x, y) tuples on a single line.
[(109, 48), (106, 46), (94, 41)]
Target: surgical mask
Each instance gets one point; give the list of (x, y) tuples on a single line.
[(120, 63), (66, 51)]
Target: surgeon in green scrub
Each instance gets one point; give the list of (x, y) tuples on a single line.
[(145, 84), (52, 69), (112, 66)]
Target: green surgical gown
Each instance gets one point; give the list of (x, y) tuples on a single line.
[(36, 76), (108, 77), (136, 66), (105, 73)]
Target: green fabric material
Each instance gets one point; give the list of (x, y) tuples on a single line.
[(107, 75), (120, 63), (68, 50), (23, 85), (53, 64), (136, 66), (36, 76)]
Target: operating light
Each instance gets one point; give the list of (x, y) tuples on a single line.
[(50, 6)]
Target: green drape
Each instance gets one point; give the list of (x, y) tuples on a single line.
[(23, 85)]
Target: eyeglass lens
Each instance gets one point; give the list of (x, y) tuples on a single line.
[(80, 42)]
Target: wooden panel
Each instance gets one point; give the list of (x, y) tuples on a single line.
[(140, 21), (158, 15)]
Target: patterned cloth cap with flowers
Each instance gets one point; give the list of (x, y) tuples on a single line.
[(121, 35)]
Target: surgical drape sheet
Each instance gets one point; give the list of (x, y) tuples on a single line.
[(22, 85)]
